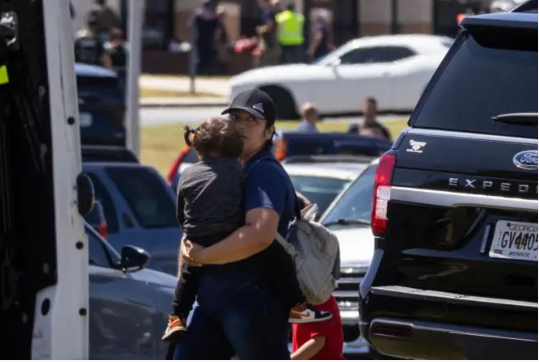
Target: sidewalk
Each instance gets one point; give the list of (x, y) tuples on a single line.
[(218, 86), (183, 84)]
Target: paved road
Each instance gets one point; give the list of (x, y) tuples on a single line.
[(183, 84), (193, 115), (168, 115)]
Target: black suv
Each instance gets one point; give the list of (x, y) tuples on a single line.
[(454, 272), (101, 106)]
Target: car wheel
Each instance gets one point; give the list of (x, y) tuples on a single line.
[(285, 104)]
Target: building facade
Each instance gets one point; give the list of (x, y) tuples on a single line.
[(165, 19)]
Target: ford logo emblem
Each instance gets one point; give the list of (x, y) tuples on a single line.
[(526, 160)]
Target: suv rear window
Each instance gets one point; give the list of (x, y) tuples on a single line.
[(487, 76), (147, 196)]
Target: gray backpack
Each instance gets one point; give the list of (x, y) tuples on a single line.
[(315, 251)]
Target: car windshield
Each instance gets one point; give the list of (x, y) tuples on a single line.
[(148, 197), (319, 190), (100, 252), (95, 217), (355, 203), (331, 56)]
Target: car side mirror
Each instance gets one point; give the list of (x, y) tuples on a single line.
[(133, 258), (85, 194)]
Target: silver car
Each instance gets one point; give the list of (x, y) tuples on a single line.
[(128, 302)]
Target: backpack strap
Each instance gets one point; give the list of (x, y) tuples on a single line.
[(288, 247)]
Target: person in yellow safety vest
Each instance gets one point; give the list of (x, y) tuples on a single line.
[(290, 34)]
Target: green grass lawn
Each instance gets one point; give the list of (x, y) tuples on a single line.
[(160, 145)]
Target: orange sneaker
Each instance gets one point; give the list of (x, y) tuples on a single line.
[(176, 328), (307, 313)]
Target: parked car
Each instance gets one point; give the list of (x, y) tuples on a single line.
[(348, 217), (291, 144), (96, 219), (129, 303), (395, 69), (101, 106), (454, 272), (140, 210), (321, 179), (186, 158)]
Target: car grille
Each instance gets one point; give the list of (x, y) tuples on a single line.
[(347, 291)]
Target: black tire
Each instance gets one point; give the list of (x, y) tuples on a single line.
[(285, 104)]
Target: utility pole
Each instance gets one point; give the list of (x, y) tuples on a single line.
[(395, 28), (133, 74)]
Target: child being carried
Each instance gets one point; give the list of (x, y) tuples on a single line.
[(208, 215)]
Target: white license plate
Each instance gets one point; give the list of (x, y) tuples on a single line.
[(85, 120), (514, 240)]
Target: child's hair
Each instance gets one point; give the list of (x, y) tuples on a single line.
[(216, 137)]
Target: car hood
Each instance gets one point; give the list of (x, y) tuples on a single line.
[(356, 244), (150, 276), (274, 74)]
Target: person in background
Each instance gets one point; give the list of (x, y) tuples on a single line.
[(89, 48), (370, 111), (117, 50), (268, 47), (290, 26), (179, 45), (372, 132), (107, 18), (310, 117), (222, 43), (370, 126), (319, 341), (206, 23), (353, 128), (321, 43)]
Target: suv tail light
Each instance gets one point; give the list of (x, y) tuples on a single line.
[(382, 192), (176, 165)]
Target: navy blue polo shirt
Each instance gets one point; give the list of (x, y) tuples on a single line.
[(266, 185)]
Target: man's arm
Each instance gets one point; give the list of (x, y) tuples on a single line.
[(317, 38), (105, 56), (258, 233), (265, 200), (309, 349)]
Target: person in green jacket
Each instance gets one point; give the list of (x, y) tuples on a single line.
[(117, 49)]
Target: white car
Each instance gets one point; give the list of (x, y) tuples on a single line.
[(322, 182), (394, 69), (348, 217)]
